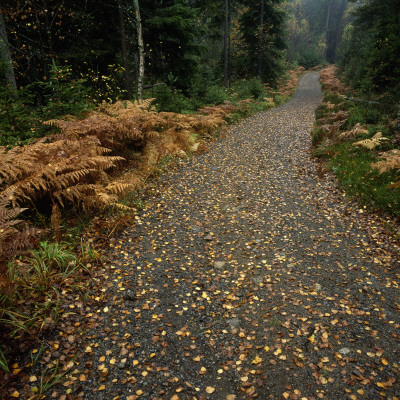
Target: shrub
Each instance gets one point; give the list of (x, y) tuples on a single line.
[(215, 95), (171, 100)]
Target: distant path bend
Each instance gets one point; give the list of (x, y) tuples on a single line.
[(248, 275)]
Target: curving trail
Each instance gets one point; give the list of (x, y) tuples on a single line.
[(248, 275)]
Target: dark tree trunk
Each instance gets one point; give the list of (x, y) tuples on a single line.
[(261, 41), (124, 49), (227, 45), (5, 54), (333, 28)]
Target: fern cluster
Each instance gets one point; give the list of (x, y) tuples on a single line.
[(77, 167)]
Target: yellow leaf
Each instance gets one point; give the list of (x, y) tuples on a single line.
[(384, 361), (277, 352), (15, 394), (210, 389), (197, 358), (105, 309), (266, 348), (257, 360), (231, 397), (32, 378), (102, 387)]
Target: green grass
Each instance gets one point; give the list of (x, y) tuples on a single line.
[(353, 165)]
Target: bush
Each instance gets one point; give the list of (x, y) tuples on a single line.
[(215, 95), (245, 89), (309, 58), (171, 100)]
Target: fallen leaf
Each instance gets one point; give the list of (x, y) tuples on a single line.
[(257, 360)]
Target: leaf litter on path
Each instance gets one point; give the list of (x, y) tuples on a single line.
[(251, 278)]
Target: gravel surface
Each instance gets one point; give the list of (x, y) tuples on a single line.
[(247, 275)]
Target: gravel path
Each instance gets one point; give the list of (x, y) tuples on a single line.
[(247, 276)]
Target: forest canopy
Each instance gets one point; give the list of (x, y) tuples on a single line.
[(64, 56)]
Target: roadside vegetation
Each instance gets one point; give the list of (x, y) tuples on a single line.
[(65, 194), (358, 140)]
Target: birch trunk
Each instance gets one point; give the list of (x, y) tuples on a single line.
[(5, 54), (141, 50)]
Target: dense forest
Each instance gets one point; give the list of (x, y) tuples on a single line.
[(63, 55)]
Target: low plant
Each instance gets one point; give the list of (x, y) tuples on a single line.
[(359, 144), (36, 282)]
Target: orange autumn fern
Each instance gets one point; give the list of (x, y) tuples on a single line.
[(15, 236), (330, 81), (72, 169), (125, 125), (390, 160)]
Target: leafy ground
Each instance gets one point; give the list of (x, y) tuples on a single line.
[(247, 274)]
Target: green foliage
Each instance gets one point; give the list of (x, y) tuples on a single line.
[(3, 363), (251, 88), (215, 95), (353, 164), (263, 45), (63, 94), (370, 47), (51, 263), (170, 32), (31, 302), (172, 100), (23, 111), (306, 47)]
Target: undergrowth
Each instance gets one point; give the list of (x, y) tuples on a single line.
[(90, 171), (358, 140)]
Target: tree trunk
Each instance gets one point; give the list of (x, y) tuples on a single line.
[(5, 54), (333, 28), (141, 50), (328, 30), (261, 41), (226, 44), (124, 49)]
